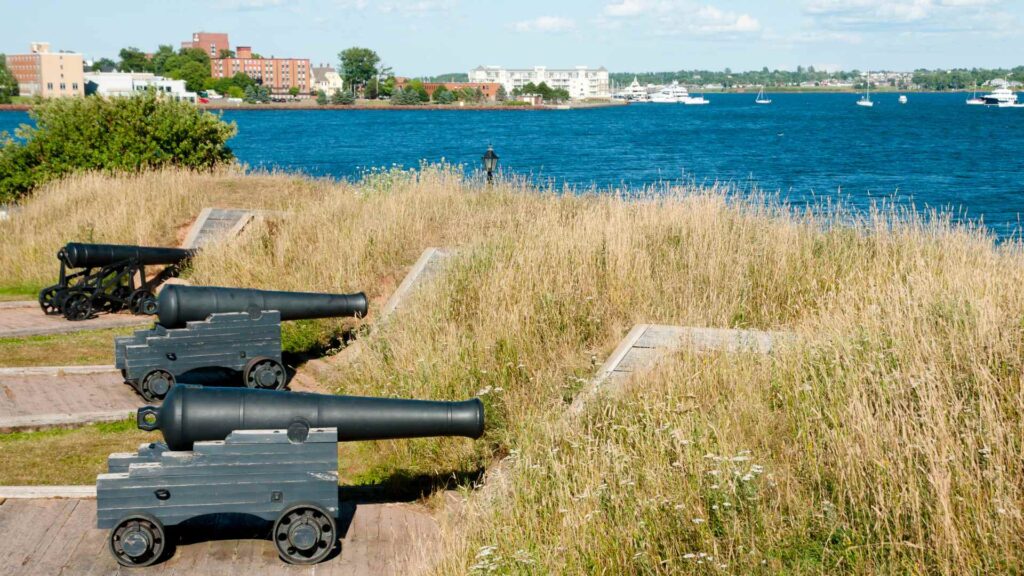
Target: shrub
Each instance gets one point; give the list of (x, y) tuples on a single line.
[(321, 97), (343, 97), (406, 97), (122, 134)]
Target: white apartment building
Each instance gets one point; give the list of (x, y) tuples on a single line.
[(327, 80), (116, 84), (581, 82)]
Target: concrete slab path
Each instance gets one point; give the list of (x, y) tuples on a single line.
[(25, 318)]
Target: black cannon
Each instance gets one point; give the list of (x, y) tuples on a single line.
[(272, 455), (237, 329), (110, 278)]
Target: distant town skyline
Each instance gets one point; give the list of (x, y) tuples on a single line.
[(429, 37)]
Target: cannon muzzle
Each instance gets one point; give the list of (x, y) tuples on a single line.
[(80, 255), (180, 304), (195, 413)]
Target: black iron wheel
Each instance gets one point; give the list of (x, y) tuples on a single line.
[(139, 302), (49, 301), (265, 373), (305, 534), (138, 540), (78, 306), (155, 385)]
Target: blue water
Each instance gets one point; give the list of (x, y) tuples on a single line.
[(934, 151)]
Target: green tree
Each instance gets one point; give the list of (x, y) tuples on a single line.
[(134, 60), (372, 89), (194, 74), (417, 86), (501, 95), (112, 135), (343, 98), (235, 92), (226, 53), (406, 97), (8, 83), (159, 61), (294, 91), (321, 97), (358, 66), (103, 65), (440, 93), (257, 94)]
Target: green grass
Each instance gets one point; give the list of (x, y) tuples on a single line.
[(76, 348)]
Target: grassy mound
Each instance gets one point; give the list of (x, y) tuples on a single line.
[(886, 439)]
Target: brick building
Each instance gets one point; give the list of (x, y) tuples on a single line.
[(210, 42), (488, 89), (277, 74), (48, 74)]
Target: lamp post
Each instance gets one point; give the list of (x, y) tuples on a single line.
[(490, 163)]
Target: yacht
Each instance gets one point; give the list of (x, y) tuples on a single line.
[(903, 98), (1002, 97), (634, 92), (761, 98), (671, 94), (865, 100)]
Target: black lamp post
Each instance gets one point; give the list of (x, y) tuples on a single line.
[(490, 163)]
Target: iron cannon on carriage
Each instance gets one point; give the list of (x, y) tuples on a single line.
[(109, 278), (270, 455), (237, 329)]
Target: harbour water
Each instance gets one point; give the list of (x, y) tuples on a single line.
[(933, 151)]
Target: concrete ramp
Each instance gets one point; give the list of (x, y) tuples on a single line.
[(214, 224)]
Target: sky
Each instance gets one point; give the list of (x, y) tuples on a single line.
[(427, 37)]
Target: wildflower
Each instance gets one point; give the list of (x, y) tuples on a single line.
[(698, 520), (689, 555)]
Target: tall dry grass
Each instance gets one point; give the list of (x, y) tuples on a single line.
[(888, 441)]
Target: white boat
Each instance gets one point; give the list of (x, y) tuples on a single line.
[(696, 101), (974, 100), (903, 99), (865, 100), (671, 94), (761, 98), (634, 92), (1002, 97)]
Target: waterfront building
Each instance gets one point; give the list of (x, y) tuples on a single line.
[(327, 80), (122, 84), (488, 89), (210, 42), (48, 74), (581, 82), (277, 74)]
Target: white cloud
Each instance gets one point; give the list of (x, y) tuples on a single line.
[(545, 24), (683, 17), (927, 15), (246, 5), (626, 8)]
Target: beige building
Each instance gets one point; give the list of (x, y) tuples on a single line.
[(48, 74)]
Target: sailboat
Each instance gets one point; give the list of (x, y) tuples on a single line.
[(761, 98), (974, 100), (866, 99)]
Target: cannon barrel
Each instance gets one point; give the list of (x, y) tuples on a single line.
[(180, 304), (81, 255), (195, 413)]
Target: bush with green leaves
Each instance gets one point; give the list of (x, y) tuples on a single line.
[(257, 94), (321, 97), (406, 97), (8, 84), (343, 98), (111, 135)]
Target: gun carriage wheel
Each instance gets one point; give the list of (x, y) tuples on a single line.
[(78, 306), (138, 540), (48, 300), (305, 534), (142, 301), (155, 385), (265, 373)]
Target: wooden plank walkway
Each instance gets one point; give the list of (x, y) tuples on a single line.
[(430, 263), (216, 223), (25, 318), (58, 536), (43, 397)]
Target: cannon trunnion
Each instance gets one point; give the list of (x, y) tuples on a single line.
[(111, 277), (235, 329), (270, 455)]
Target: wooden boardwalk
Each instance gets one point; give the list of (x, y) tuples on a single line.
[(216, 223), (58, 536), (25, 318), (33, 398)]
